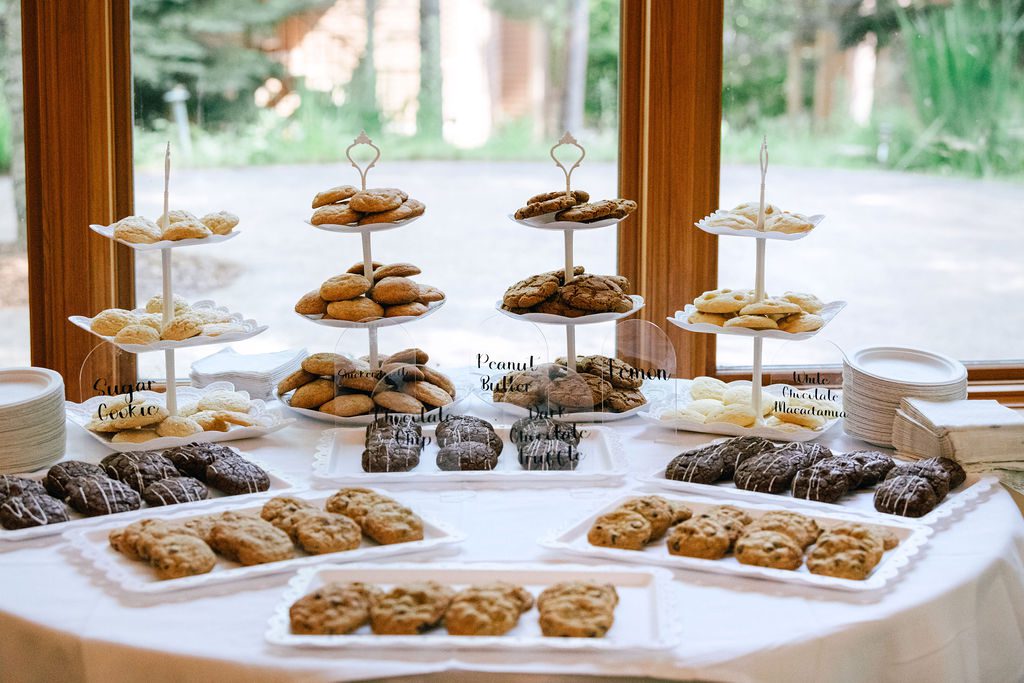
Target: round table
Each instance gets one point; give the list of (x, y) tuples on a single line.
[(957, 614)]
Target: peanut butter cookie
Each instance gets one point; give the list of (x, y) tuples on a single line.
[(345, 286), (392, 291), (359, 310), (311, 304), (313, 395), (412, 309), (335, 214)]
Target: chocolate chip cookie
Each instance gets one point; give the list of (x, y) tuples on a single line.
[(250, 540), (325, 532), (356, 502), (576, 616), (768, 549), (333, 609), (59, 475), (93, 496), (703, 537), (656, 510), (234, 475), (481, 612), (392, 523), (410, 609), (179, 555), (624, 529), (284, 512)]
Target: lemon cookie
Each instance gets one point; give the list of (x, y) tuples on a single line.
[(752, 322), (770, 307), (181, 328), (156, 304), (801, 322), (137, 334), (176, 425), (731, 221), (111, 321), (789, 223), (708, 318), (708, 387), (734, 413), (749, 210), (808, 302), (187, 230), (138, 414), (344, 286), (722, 300), (220, 223), (210, 421), (742, 394), (137, 230)]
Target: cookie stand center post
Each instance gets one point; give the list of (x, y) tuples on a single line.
[(364, 139), (759, 290), (567, 139), (168, 290)]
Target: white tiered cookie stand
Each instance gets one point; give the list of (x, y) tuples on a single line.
[(568, 228), (762, 236), (165, 247)]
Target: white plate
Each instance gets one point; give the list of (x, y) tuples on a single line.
[(267, 421), (861, 502), (250, 329), (278, 485), (654, 411), (360, 229), (108, 232), (382, 322), (760, 234), (646, 617), (908, 367), (453, 408), (548, 222), (22, 388), (550, 319), (573, 540), (338, 460), (138, 577), (680, 320)]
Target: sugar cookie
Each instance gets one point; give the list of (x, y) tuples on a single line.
[(137, 334), (111, 321), (722, 300), (752, 322), (801, 322), (808, 302)]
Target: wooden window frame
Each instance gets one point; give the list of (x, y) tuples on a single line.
[(670, 87), (76, 56)]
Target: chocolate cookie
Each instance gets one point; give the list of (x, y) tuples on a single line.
[(193, 459), (821, 482), (466, 455), (92, 496), (31, 509), (548, 454), (458, 421), (11, 485), (400, 428), (527, 429), (470, 433), (874, 466), (390, 456), (796, 453), (139, 469), (957, 475), (852, 468), (59, 475), (174, 490), (701, 466), (815, 451), (738, 450), (905, 495), (929, 470), (767, 473), (235, 475)]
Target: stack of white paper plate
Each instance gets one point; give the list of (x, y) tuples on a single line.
[(876, 378), (31, 419)]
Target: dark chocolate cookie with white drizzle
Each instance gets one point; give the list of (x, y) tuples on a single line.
[(174, 490), (701, 466), (30, 510), (92, 496)]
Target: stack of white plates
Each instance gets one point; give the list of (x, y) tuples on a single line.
[(31, 419), (876, 378)]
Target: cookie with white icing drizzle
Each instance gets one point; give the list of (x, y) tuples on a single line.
[(31, 509), (11, 485), (174, 490), (139, 469), (92, 496), (767, 473)]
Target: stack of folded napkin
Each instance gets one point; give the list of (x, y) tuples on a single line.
[(257, 373)]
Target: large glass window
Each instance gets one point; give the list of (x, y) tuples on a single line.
[(463, 96), (903, 122)]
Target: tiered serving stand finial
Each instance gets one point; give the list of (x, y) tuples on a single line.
[(761, 237), (568, 228), (365, 231), (166, 248)]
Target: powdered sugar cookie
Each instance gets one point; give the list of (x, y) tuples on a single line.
[(220, 223), (111, 321), (186, 230)]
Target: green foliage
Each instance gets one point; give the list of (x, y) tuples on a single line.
[(601, 104), (968, 86), (6, 142)]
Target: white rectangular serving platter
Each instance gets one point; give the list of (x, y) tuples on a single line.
[(602, 462), (681, 318), (108, 232), (250, 329), (572, 540), (266, 421), (138, 577), (860, 503), (759, 234), (646, 618), (76, 520), (654, 412)]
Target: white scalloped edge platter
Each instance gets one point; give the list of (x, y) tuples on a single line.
[(646, 617), (453, 408), (830, 311), (361, 229), (548, 222), (602, 462), (138, 577), (860, 503), (278, 485), (267, 421), (655, 410), (381, 322), (251, 329), (550, 319), (572, 540), (760, 234), (108, 232)]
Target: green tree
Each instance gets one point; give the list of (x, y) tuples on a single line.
[(429, 113)]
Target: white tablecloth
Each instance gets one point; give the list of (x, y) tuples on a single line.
[(956, 615)]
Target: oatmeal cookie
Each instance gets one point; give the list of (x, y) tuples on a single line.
[(620, 529), (311, 303)]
